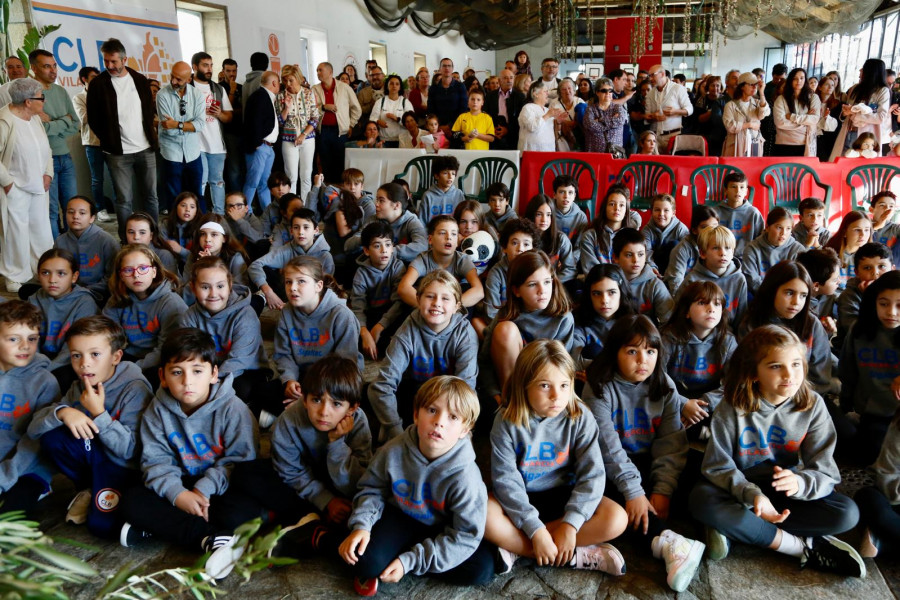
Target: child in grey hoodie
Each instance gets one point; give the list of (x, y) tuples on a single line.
[(436, 339), (93, 247), (500, 212), (871, 261), (548, 472), (570, 218), (811, 230), (644, 446), (607, 298), (422, 505), (630, 253), (685, 254), (772, 449), (516, 237), (214, 237), (26, 387), (443, 196), (718, 265), (316, 323), (663, 232), (613, 215), (879, 504), (391, 201), (737, 213), (773, 245), (192, 437), (91, 434)]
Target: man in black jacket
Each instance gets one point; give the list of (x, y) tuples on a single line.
[(260, 133), (506, 102), (120, 112)]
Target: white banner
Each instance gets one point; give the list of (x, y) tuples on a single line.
[(150, 36)]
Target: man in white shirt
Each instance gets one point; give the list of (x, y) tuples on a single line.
[(667, 103), (212, 139), (120, 112), (549, 70)]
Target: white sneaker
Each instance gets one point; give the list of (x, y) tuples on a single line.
[(602, 557), (266, 419), (682, 556), (104, 217), (78, 509), (224, 555), (12, 286), (507, 558)]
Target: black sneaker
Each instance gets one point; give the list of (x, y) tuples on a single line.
[(827, 553), (300, 540), (131, 536)]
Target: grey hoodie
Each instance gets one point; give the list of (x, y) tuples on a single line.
[(652, 295), (698, 368), (277, 258), (374, 297), (590, 336), (459, 267), (887, 478), (549, 453), (326, 202), (24, 392), (205, 444), (95, 251), (495, 287), (301, 339), (760, 256), (250, 228), (416, 352), (745, 222), (445, 491), (682, 259), (564, 260), (847, 310), (410, 237), (59, 314), (183, 238), (800, 441), (867, 368), (498, 222), (594, 249), (631, 423), (148, 322), (660, 242), (800, 234), (436, 201), (316, 468), (236, 331), (571, 224), (733, 284), (281, 234), (236, 266), (127, 393)]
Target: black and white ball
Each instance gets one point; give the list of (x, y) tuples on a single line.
[(479, 247)]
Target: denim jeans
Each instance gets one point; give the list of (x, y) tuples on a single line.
[(96, 164), (213, 167), (259, 167), (62, 188), (123, 168), (183, 177)]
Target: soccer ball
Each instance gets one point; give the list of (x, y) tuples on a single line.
[(480, 247)]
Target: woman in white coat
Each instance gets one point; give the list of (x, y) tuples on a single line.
[(742, 116), (796, 113), (537, 122), (26, 170), (871, 91)]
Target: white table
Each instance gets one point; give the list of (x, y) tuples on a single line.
[(380, 165)]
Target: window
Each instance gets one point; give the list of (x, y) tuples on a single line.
[(203, 27), (190, 31), (378, 53), (418, 61)]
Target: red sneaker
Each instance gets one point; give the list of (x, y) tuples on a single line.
[(369, 587)]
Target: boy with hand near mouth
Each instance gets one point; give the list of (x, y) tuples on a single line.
[(718, 265), (774, 245), (422, 505), (92, 434), (94, 248), (26, 386), (630, 253)]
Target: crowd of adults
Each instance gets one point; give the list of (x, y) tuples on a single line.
[(204, 134)]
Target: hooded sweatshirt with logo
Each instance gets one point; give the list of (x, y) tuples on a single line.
[(235, 330), (632, 423), (436, 202), (374, 298), (459, 267), (277, 258), (867, 369), (802, 441), (801, 233), (59, 314), (745, 222), (698, 366), (127, 393), (315, 467), (760, 256), (205, 444), (148, 322), (660, 242), (95, 251), (733, 284), (301, 339), (24, 391), (495, 287), (417, 353), (410, 237), (550, 452), (447, 491), (652, 295), (681, 260)]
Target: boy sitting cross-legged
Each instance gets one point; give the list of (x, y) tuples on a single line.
[(193, 433), (91, 435), (422, 505)]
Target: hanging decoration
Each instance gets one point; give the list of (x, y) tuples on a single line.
[(589, 15)]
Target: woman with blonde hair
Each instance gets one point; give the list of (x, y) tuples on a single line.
[(298, 114)]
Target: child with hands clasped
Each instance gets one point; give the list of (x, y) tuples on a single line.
[(91, 435), (769, 467), (422, 505), (547, 470), (811, 230), (643, 443)]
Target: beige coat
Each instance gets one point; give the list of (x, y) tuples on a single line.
[(878, 123), (733, 118), (348, 110), (800, 128)]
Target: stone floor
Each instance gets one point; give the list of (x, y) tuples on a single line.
[(749, 573)]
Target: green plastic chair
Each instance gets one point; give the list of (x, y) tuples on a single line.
[(574, 168), (492, 170), (422, 165), (646, 176), (786, 189), (714, 177), (875, 178)]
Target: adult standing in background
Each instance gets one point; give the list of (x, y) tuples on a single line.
[(710, 109), (370, 94), (666, 103), (770, 91), (181, 110), (448, 98), (26, 170), (340, 112), (872, 91), (234, 157), (60, 123), (260, 134), (92, 146), (830, 107), (418, 96), (299, 115), (388, 111), (496, 104), (537, 122), (217, 112), (15, 69), (603, 119), (259, 62), (120, 112), (797, 113), (570, 136), (742, 116), (549, 70), (355, 81)]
